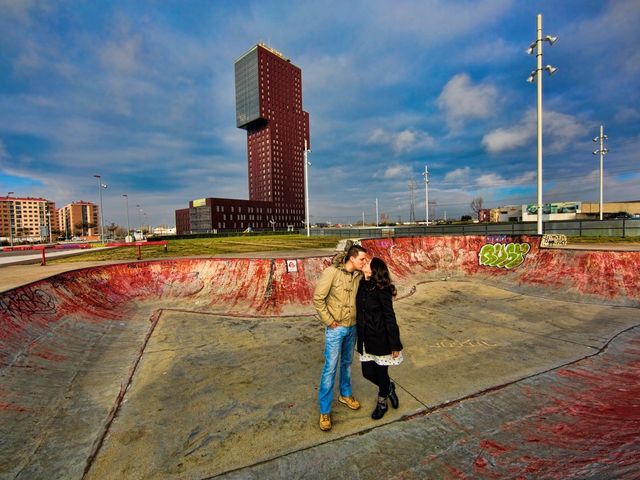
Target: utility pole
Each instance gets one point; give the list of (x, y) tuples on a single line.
[(426, 193), (126, 197), (377, 218), (412, 194)]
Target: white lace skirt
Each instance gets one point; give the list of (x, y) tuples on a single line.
[(380, 359)]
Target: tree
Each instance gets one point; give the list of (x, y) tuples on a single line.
[(465, 218), (78, 229), (476, 205)]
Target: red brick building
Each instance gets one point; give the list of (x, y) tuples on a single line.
[(269, 108)]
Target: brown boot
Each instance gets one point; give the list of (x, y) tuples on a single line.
[(350, 402), (325, 422)]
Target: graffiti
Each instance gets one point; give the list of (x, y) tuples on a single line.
[(27, 302), (181, 284), (60, 281), (510, 255), (463, 343), (553, 239), (497, 239)]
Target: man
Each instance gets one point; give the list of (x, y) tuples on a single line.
[(335, 301)]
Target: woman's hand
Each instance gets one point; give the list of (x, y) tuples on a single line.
[(395, 354)]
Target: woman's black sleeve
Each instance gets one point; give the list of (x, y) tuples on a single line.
[(393, 332)]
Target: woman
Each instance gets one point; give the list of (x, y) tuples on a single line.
[(378, 335)]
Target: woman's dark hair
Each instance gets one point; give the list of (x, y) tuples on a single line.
[(380, 275)]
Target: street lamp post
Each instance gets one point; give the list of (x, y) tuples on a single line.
[(536, 74), (126, 197), (100, 187), (10, 222), (377, 218), (602, 151), (307, 164)]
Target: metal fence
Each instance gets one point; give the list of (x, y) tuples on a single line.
[(571, 228)]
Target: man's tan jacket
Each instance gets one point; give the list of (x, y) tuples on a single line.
[(335, 296)]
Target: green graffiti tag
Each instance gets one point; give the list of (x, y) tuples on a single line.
[(510, 255)]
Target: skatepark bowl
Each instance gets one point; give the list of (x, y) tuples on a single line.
[(520, 362)]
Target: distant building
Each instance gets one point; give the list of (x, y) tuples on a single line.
[(269, 108), (552, 211), (79, 219), (484, 215), (610, 209), (164, 230), (26, 218), (510, 213)]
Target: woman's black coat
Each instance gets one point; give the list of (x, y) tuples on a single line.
[(376, 320)]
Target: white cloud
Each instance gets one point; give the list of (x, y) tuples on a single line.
[(505, 139), (559, 130), (627, 114), (121, 55), (407, 140), (461, 100), (19, 9), (495, 180), (459, 174), (395, 171)]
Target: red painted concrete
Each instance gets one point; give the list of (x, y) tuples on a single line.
[(264, 287), (591, 410)]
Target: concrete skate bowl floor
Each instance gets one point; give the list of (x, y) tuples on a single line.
[(196, 368)]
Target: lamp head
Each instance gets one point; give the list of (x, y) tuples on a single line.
[(551, 69), (605, 151), (605, 137), (551, 39), (596, 152), (532, 77), (532, 48), (596, 139)]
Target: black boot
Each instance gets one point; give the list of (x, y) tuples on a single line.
[(392, 395), (381, 408)]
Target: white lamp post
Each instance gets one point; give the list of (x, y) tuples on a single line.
[(307, 164), (602, 151), (536, 74), (377, 217)]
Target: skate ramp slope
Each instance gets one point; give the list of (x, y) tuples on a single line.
[(193, 368)]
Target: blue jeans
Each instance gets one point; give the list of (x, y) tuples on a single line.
[(339, 341)]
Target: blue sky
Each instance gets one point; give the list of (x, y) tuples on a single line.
[(142, 93)]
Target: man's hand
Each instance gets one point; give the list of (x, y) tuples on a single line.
[(334, 324)]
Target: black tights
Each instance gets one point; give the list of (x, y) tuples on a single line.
[(378, 375)]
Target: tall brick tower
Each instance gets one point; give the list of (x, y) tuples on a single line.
[(269, 108)]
